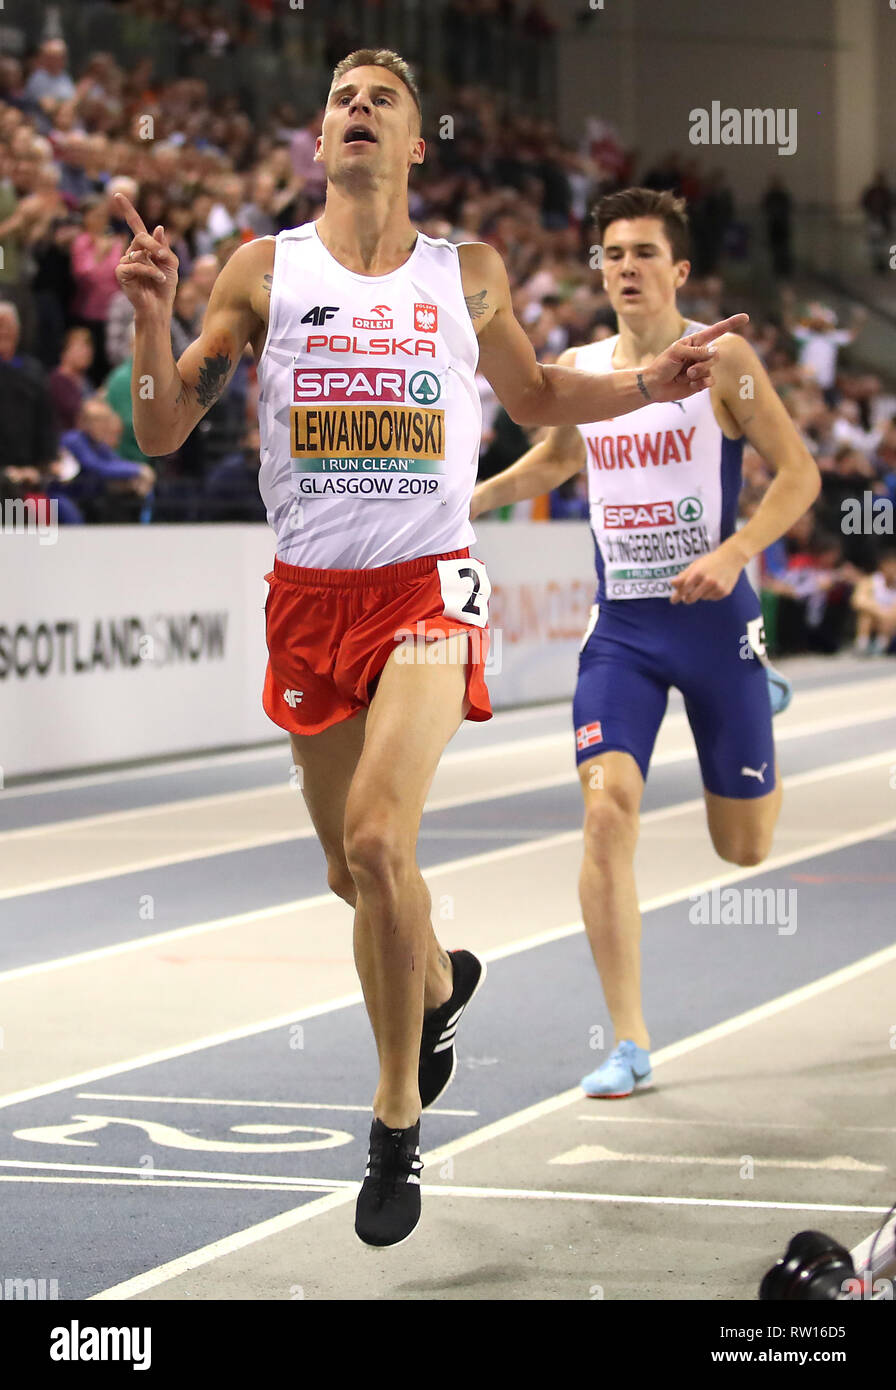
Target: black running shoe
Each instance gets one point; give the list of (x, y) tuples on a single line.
[(438, 1060), (389, 1201)]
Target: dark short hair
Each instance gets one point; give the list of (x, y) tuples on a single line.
[(647, 202), (380, 58)]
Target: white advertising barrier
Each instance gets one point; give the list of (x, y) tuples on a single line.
[(130, 641), (543, 583), (138, 641), (127, 642)]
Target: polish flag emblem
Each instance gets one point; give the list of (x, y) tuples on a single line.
[(426, 318), (588, 734)]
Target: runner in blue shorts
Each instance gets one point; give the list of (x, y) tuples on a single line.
[(673, 605)]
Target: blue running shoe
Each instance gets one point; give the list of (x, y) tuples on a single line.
[(624, 1071), (779, 688)]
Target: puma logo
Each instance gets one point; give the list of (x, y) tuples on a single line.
[(751, 772)]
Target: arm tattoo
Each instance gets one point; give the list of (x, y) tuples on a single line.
[(212, 378), (268, 282), (182, 393), (476, 304)]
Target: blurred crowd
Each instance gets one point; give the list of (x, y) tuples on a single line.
[(216, 178)]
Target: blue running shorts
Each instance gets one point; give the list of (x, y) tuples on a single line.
[(635, 649)]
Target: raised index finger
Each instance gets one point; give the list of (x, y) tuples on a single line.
[(715, 330), (131, 215)]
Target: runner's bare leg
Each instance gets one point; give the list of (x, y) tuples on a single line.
[(415, 711)]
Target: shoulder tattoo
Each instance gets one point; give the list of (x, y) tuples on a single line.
[(212, 378), (476, 304)]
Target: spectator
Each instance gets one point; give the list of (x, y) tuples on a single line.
[(711, 217), (231, 487), (263, 215), (310, 174), (12, 87), (817, 583), (206, 270), (69, 384), (75, 184), (26, 406), (119, 321), (819, 341), (186, 318), (96, 252), (106, 486), (877, 204), (49, 84), (53, 286), (117, 393), (223, 218), (874, 600), (776, 206)]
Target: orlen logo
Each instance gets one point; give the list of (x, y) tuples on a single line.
[(349, 384), (378, 323), (619, 516)]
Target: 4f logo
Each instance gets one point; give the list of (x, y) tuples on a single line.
[(293, 697), (320, 313), (426, 318)]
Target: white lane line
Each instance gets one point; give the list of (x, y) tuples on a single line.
[(525, 847), (598, 1153), (297, 1185), (344, 1190), (238, 919), (514, 748), (759, 1125), (73, 825), (50, 785), (149, 1176), (151, 1278), (262, 1104), (277, 748), (493, 792), (148, 1059), (227, 1246), (517, 1194)]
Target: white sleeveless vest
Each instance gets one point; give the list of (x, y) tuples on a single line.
[(369, 413), (663, 484)]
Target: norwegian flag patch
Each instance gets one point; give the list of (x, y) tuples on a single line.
[(588, 734)]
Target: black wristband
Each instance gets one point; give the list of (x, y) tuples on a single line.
[(643, 389)]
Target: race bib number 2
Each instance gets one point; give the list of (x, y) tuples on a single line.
[(465, 590)]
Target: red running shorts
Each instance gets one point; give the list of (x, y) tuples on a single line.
[(330, 633)]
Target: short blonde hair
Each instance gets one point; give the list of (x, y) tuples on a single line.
[(380, 58)]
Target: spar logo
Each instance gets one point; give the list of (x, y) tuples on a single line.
[(690, 509), (426, 318), (424, 388), (628, 516), (358, 384), (379, 322)]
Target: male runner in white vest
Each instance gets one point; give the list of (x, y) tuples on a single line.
[(367, 335), (673, 605)]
